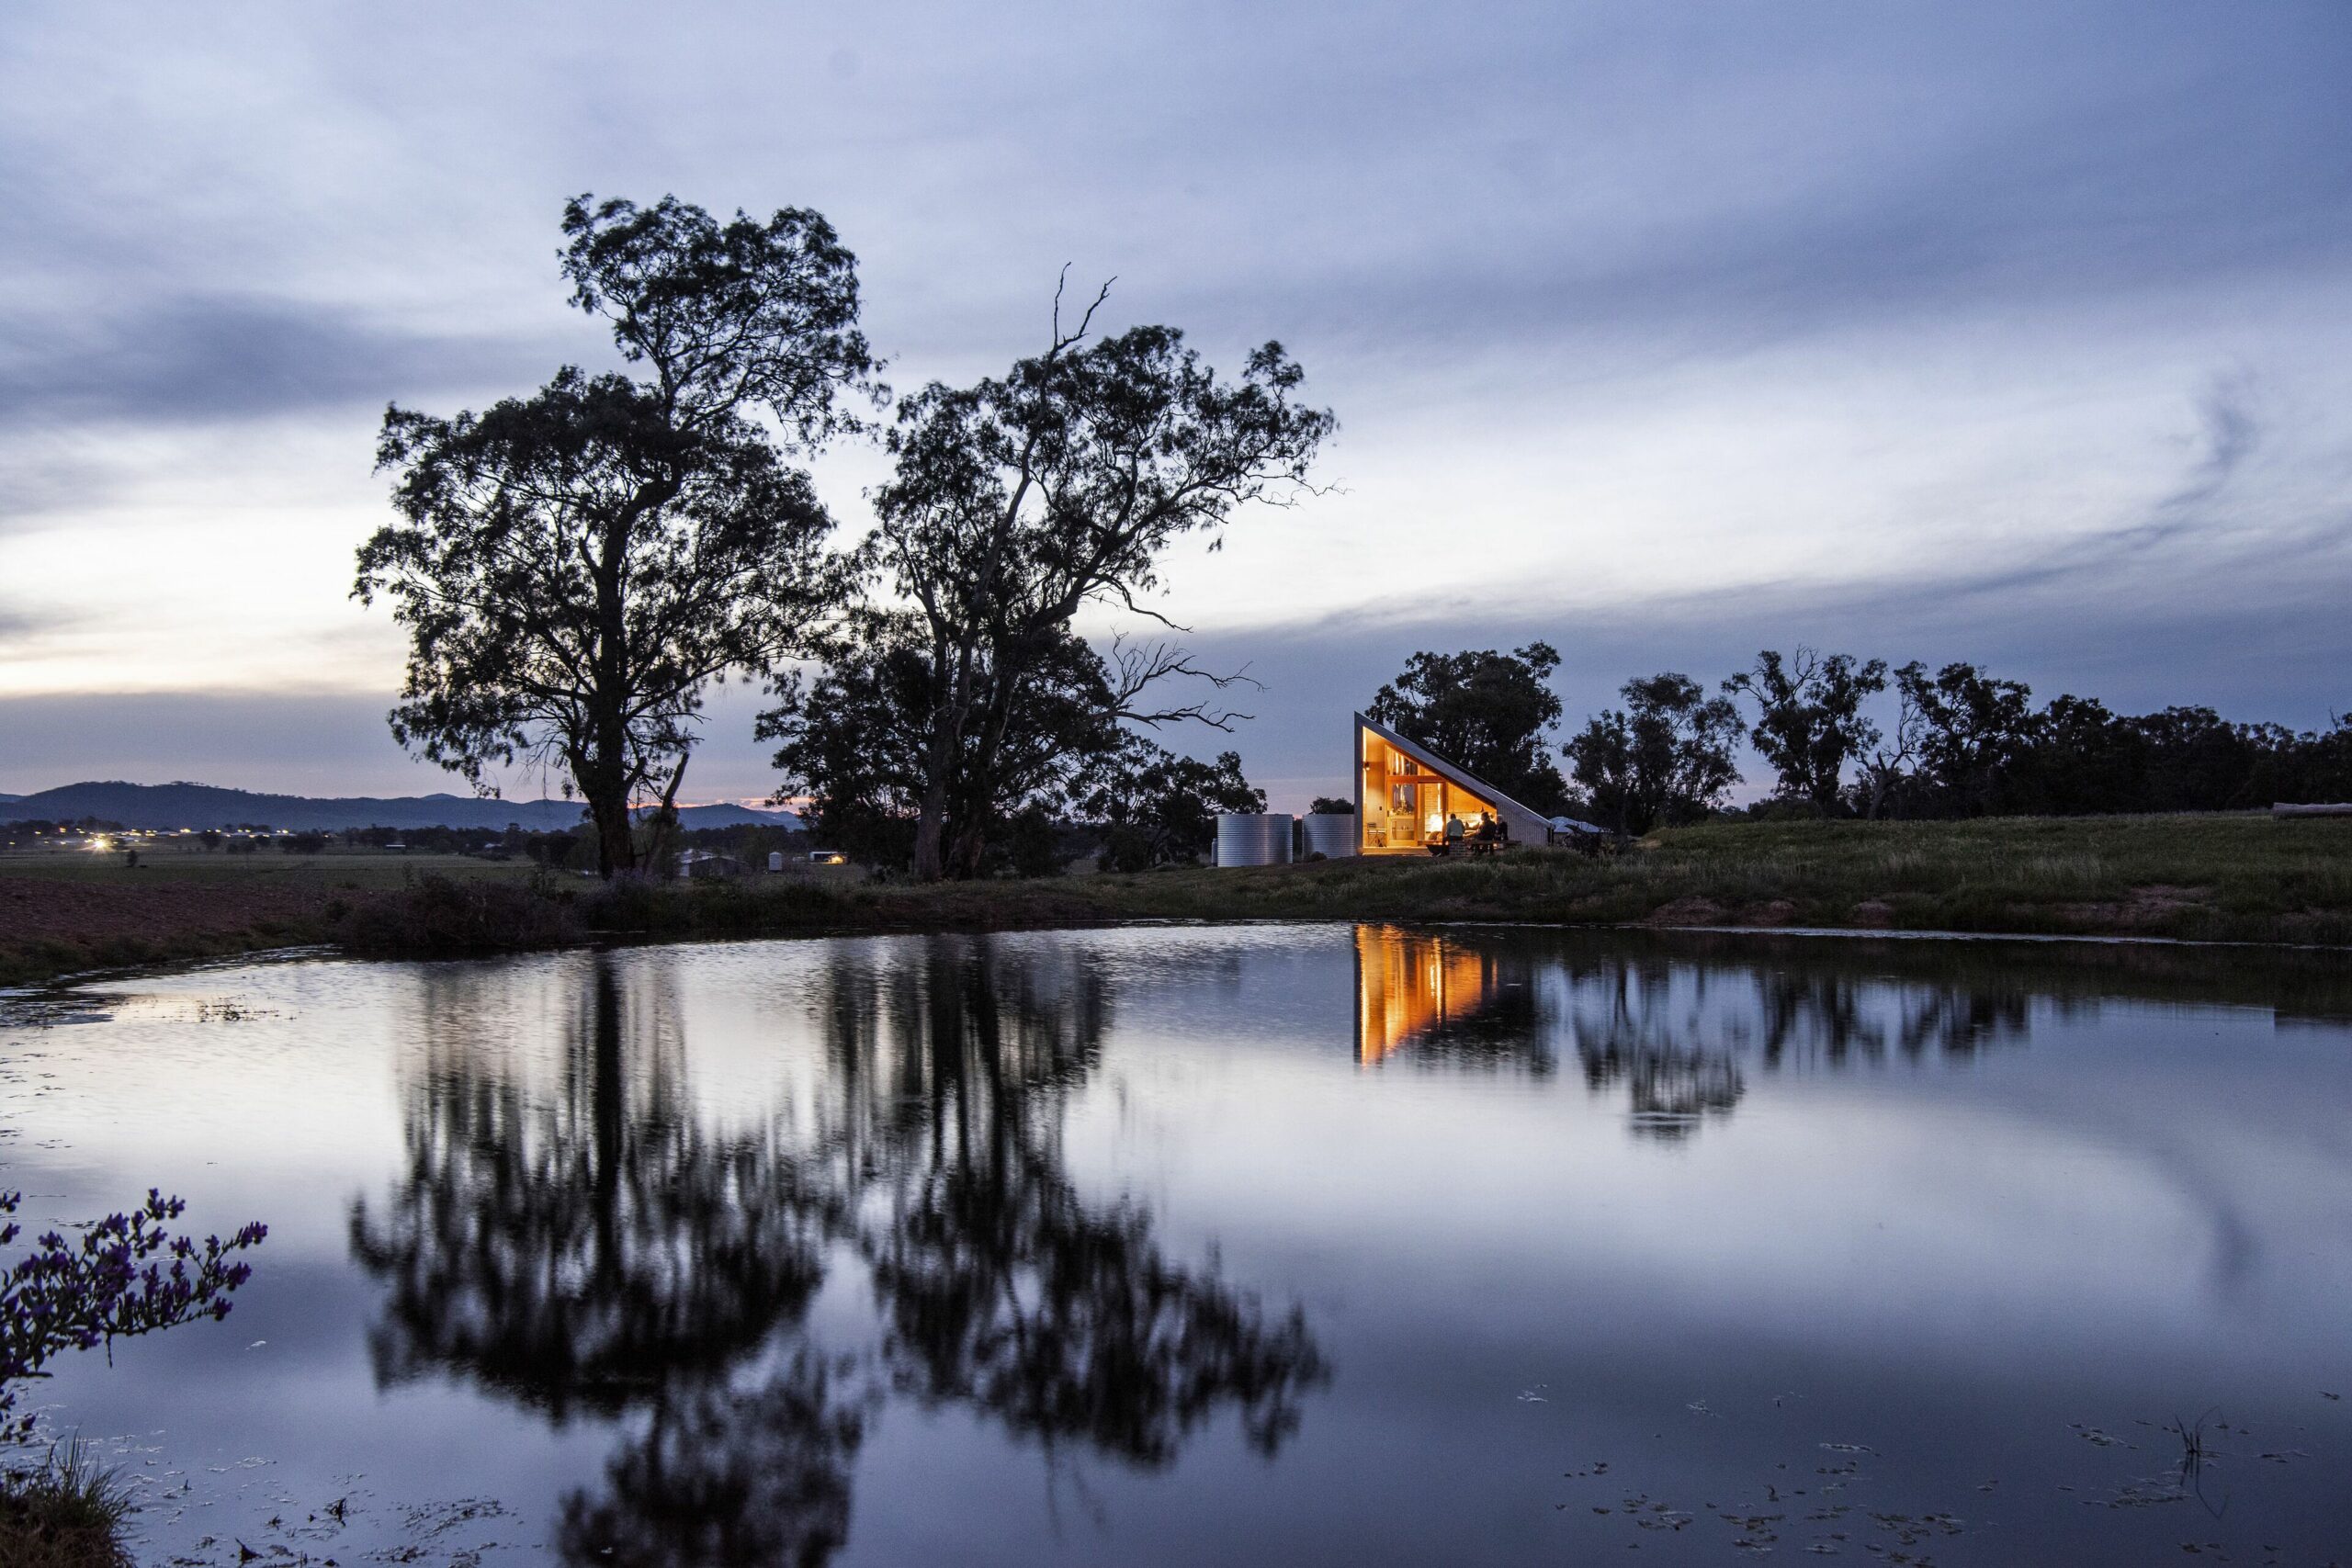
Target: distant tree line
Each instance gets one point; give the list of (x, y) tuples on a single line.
[(1847, 738)]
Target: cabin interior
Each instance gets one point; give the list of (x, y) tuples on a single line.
[(1404, 805)]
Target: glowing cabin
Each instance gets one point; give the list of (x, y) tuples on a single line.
[(1406, 794)]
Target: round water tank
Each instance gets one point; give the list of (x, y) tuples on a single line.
[(775, 860), (1252, 837), (1330, 834)]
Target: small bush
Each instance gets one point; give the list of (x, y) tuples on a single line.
[(66, 1513), (439, 918), (630, 904)]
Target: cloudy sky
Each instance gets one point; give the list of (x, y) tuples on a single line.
[(2019, 332)]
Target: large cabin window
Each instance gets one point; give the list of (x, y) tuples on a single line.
[(1406, 805)]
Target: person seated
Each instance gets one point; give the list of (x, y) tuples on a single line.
[(1482, 836)]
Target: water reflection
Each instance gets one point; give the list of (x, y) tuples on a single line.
[(1444, 998), (880, 1250), (597, 1246), (1668, 1035), (1000, 1286), (590, 1248), (724, 1475)]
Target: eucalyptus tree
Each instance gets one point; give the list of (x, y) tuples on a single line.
[(1972, 728), (1017, 502), (854, 740), (1485, 710), (1888, 765), (1809, 722), (1664, 759), (577, 566), (1160, 808)]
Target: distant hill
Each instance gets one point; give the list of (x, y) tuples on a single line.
[(203, 805)]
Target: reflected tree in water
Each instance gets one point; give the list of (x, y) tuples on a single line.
[(1001, 1285), (596, 1248), (1675, 1037), (728, 1476), (1832, 1016), (586, 1249), (1636, 1028)]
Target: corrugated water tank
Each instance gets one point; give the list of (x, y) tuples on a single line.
[(1330, 834), (1253, 838)]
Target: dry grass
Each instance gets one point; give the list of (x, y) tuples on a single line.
[(66, 1513), (2215, 878)]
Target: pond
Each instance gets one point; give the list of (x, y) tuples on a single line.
[(1183, 1244)]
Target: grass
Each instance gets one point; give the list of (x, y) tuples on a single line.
[(342, 870), (62, 912), (2243, 878), (67, 1512), (2220, 878)]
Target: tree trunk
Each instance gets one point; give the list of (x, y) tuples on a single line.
[(963, 857), (606, 777), (615, 840), (931, 831), (664, 836), (953, 695)]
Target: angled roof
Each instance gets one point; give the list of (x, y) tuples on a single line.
[(1454, 774)]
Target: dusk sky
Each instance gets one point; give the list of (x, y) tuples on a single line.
[(2019, 332)]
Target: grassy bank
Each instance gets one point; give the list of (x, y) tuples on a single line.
[(67, 1512), (62, 912), (2200, 878)]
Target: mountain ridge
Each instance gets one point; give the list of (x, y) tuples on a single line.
[(183, 804)]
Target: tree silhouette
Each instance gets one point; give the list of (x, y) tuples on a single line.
[(589, 1252), (1015, 503), (576, 567), (595, 1250), (724, 1477)]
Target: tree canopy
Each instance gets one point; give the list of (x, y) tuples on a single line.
[(1488, 712), (576, 567), (853, 738), (1161, 809), (1809, 722), (1663, 758), (1017, 502)]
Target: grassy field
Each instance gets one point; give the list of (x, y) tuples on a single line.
[(2241, 878), (2233, 878), (346, 870), (61, 911)]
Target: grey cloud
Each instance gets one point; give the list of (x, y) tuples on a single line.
[(2232, 433), (19, 620), (2077, 172), (197, 358)]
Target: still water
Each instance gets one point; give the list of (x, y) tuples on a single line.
[(1285, 1245)]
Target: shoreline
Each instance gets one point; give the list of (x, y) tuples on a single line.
[(2237, 881)]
